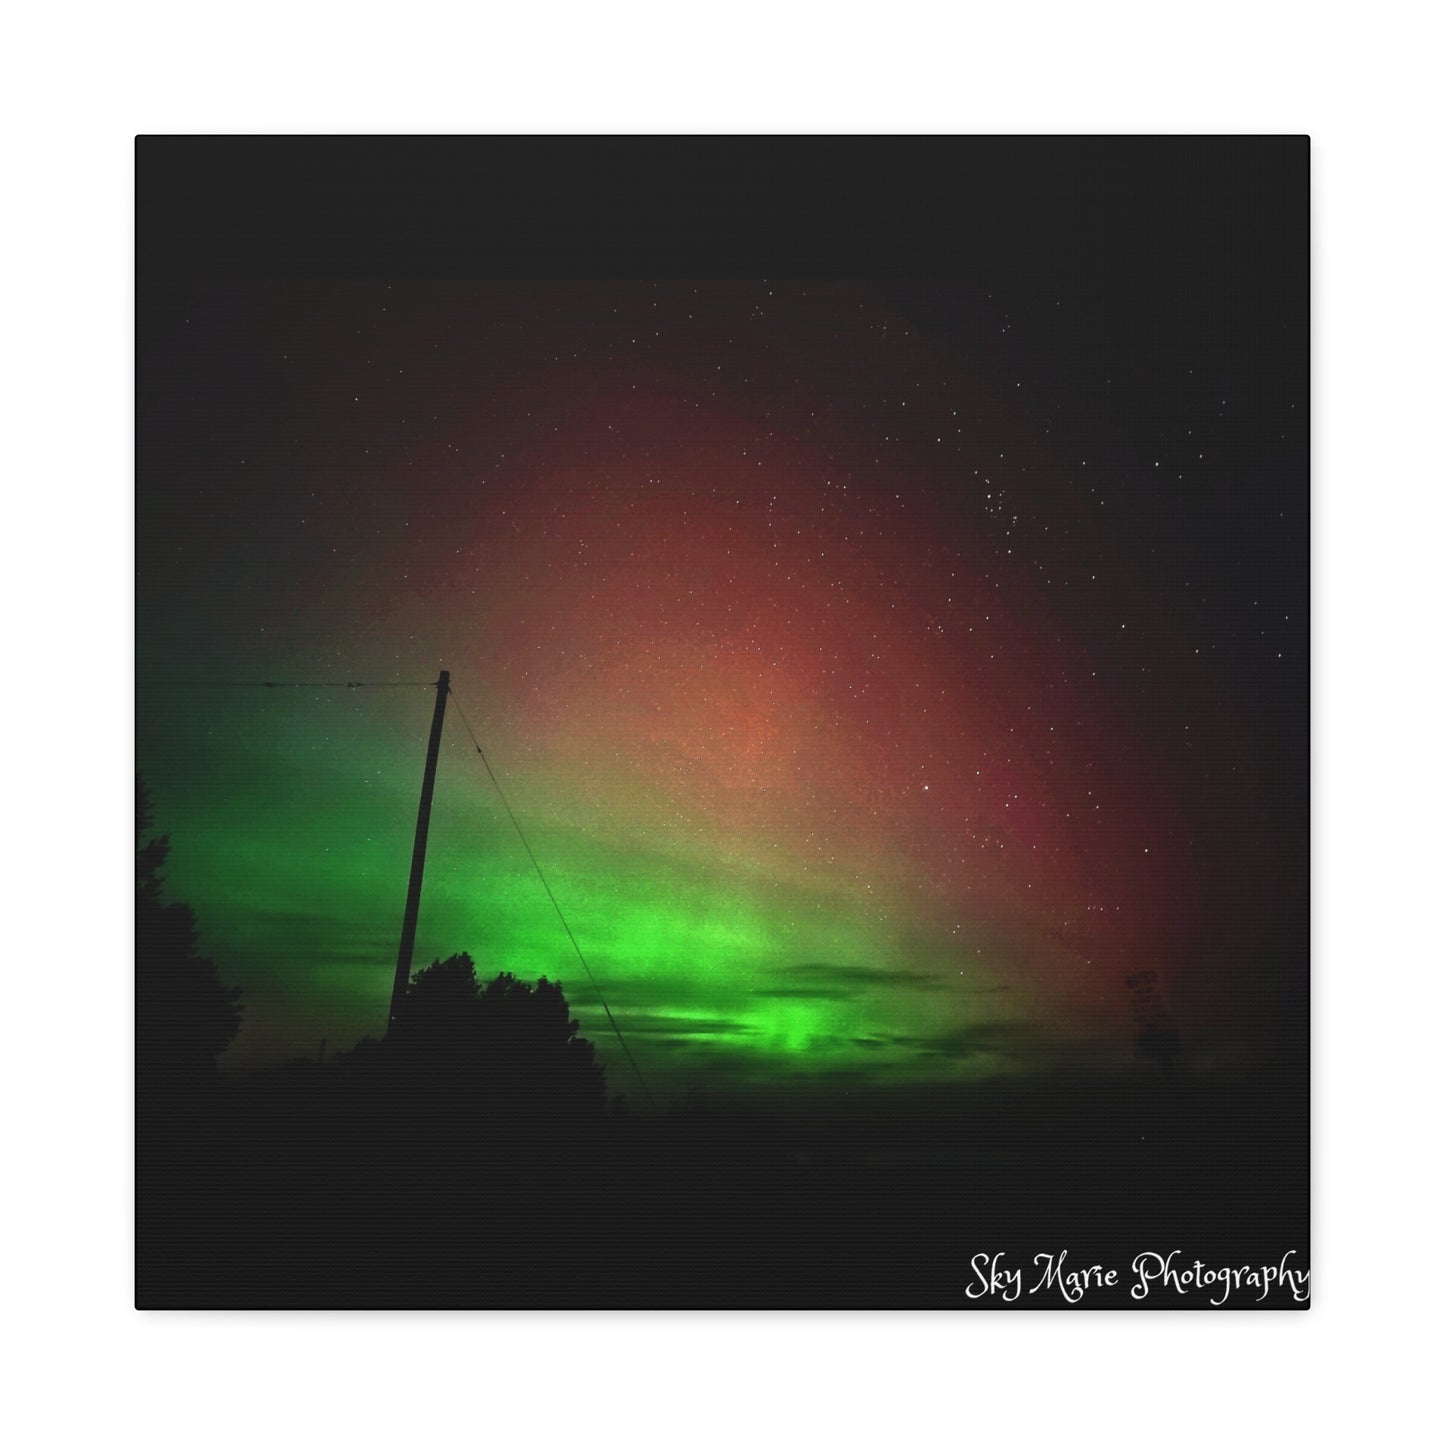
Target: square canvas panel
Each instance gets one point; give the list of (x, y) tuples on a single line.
[(722, 723)]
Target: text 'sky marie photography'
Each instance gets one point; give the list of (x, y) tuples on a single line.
[(722, 722), (1148, 1270)]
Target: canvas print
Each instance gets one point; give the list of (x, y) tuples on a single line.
[(664, 782)]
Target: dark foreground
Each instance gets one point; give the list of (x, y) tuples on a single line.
[(273, 1197)]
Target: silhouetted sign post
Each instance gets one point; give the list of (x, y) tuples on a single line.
[(418, 853), (1157, 1036)]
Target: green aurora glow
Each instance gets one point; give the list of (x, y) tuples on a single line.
[(292, 836)]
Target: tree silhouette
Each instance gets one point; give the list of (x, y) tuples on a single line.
[(442, 1009), (509, 1048), (184, 1015)]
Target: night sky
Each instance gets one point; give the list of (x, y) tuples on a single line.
[(881, 671)]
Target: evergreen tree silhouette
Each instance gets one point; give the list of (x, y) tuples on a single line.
[(184, 1015)]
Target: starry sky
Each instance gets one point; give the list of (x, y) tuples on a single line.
[(881, 671)]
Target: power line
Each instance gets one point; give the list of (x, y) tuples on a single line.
[(590, 978), (188, 683)]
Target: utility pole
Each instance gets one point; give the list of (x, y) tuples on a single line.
[(418, 854)]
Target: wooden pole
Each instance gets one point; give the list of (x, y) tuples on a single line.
[(418, 854)]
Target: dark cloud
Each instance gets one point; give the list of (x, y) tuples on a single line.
[(855, 976), (674, 1024), (999, 1037), (802, 991), (301, 935)]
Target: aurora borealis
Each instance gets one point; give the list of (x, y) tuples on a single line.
[(880, 675)]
